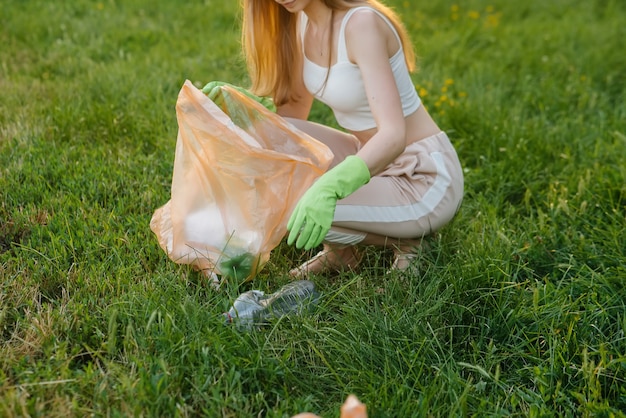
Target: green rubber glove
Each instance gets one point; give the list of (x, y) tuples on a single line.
[(313, 215), (213, 91)]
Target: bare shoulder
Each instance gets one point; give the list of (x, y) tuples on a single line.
[(367, 32), (363, 20)]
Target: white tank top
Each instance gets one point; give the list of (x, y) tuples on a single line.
[(344, 91)]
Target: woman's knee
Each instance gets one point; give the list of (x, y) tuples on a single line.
[(340, 143)]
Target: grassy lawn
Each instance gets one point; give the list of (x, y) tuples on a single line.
[(519, 307)]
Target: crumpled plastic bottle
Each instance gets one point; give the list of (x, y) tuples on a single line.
[(254, 307)]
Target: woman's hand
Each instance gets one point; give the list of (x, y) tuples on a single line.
[(313, 215), (213, 91)]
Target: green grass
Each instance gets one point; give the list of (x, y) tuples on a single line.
[(520, 307)]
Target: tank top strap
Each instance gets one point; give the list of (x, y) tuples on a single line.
[(342, 50), (304, 20)]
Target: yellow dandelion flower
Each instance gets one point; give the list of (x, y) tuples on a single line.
[(462, 94), (448, 82), (492, 20), (454, 8), (473, 14), (489, 9), (455, 16), (100, 6), (422, 92), (444, 89), (443, 98)]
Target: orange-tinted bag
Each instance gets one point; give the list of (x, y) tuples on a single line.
[(239, 170)]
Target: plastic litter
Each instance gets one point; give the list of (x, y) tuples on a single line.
[(352, 408), (239, 170), (254, 307)]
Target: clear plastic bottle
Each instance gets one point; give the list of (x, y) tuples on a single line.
[(255, 308)]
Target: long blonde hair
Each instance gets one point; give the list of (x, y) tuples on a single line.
[(272, 46)]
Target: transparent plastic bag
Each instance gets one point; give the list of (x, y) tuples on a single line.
[(239, 170)]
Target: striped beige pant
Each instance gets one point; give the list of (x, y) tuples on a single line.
[(414, 196)]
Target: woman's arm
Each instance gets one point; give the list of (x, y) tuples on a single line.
[(300, 104), (369, 47)]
